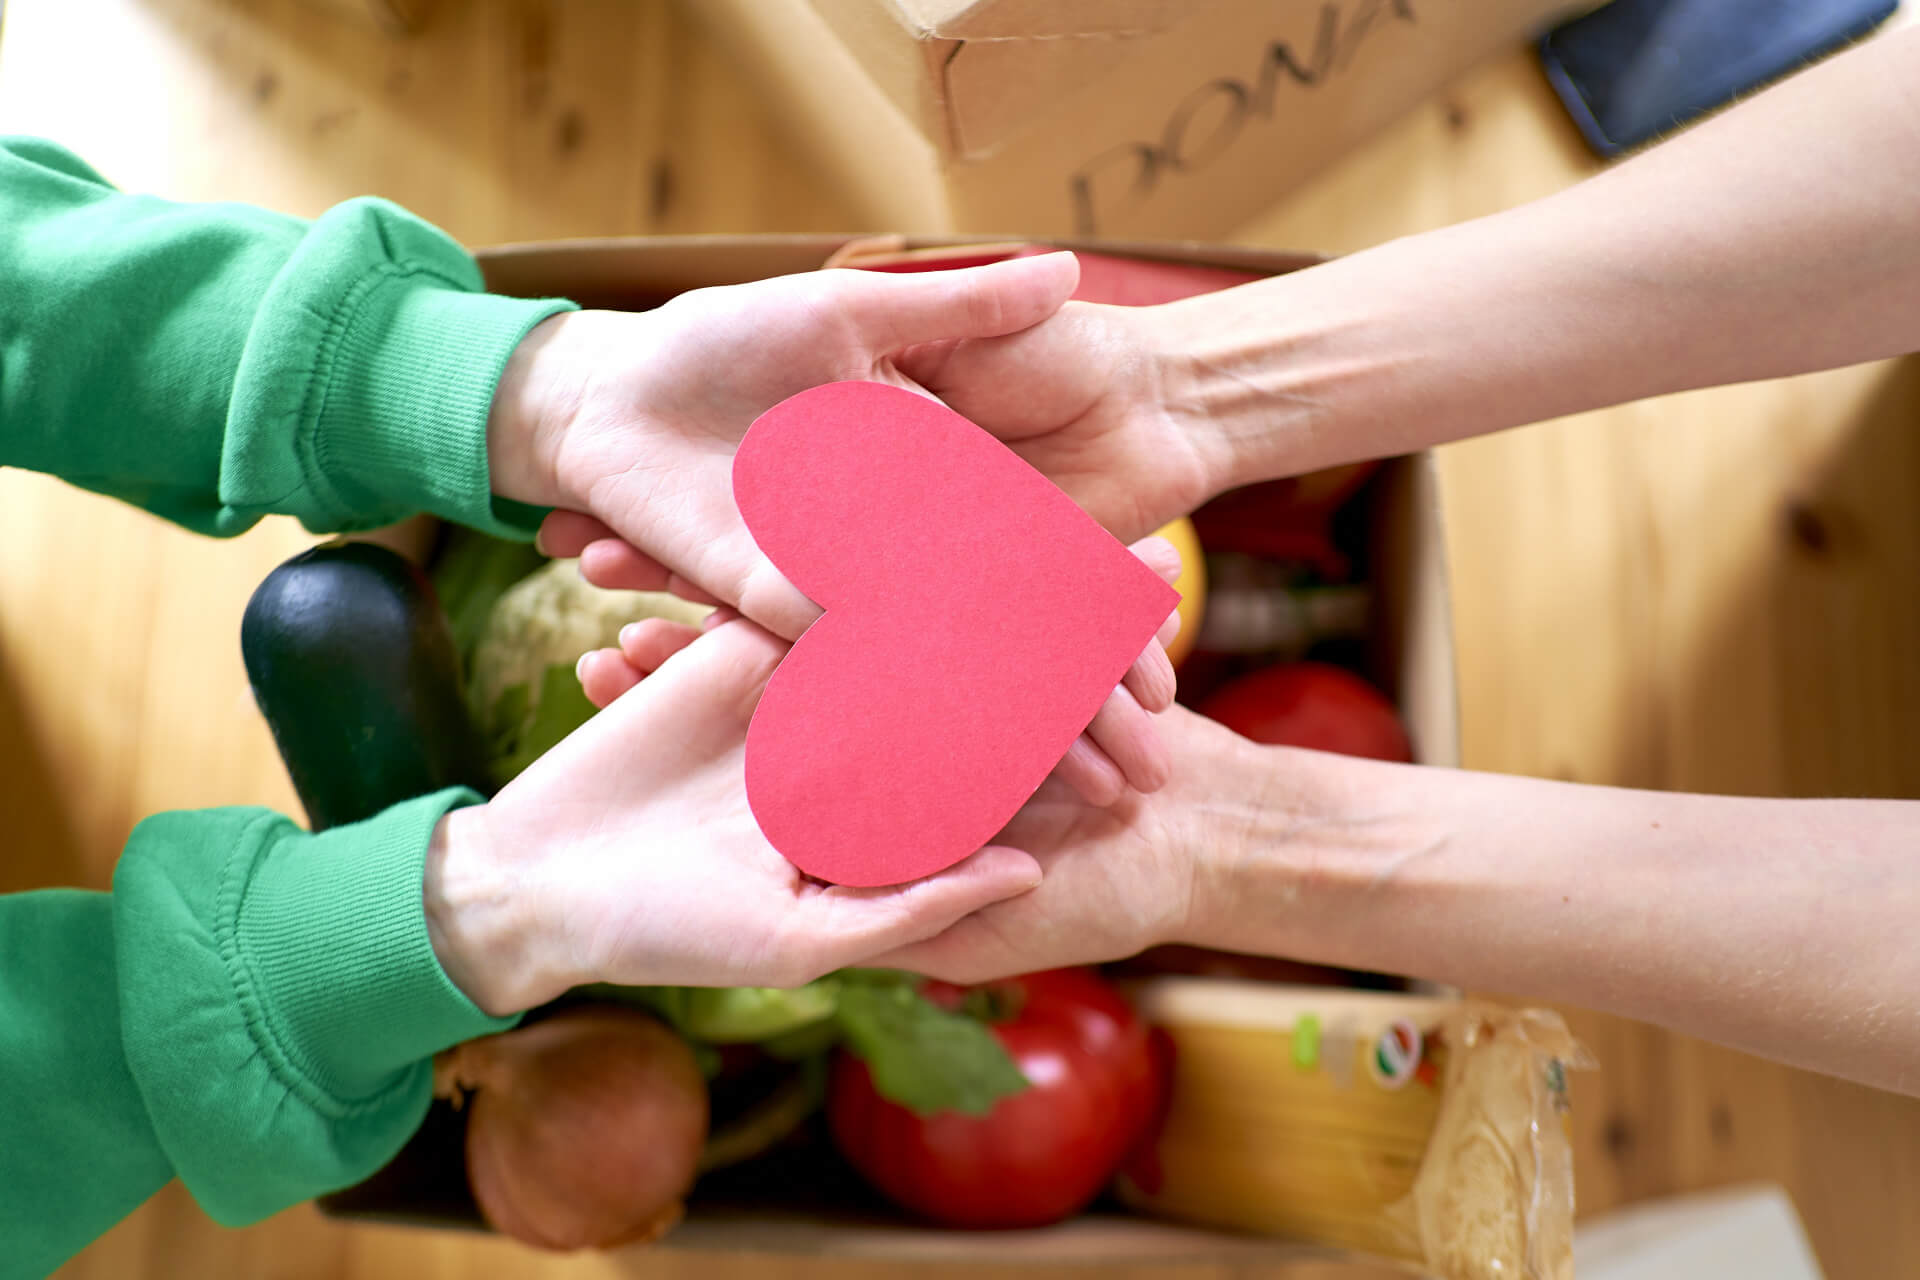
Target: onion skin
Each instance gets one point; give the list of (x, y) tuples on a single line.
[(584, 1129)]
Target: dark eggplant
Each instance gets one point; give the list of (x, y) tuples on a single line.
[(354, 667)]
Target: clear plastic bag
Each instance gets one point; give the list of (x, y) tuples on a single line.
[(1494, 1195), (1420, 1128)]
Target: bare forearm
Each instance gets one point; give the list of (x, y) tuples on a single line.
[(1781, 237), (1784, 927)]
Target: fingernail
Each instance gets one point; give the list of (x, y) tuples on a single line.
[(580, 667), (627, 633)]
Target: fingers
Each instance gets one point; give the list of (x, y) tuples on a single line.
[(606, 559), (852, 926), (1159, 555), (648, 643), (604, 675), (1150, 679), (1168, 630), (1092, 776), (715, 679), (896, 311), (1124, 730), (564, 534), (614, 564), (609, 561), (765, 594), (703, 683), (770, 600)]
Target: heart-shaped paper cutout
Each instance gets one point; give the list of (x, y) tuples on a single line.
[(976, 620)]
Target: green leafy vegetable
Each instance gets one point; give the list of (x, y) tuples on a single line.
[(471, 572), (920, 1055), (522, 736)]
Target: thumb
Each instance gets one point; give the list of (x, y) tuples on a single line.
[(894, 311), (862, 924)]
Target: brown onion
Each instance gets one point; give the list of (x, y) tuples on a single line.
[(585, 1129)]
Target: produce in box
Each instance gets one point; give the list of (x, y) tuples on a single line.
[(1095, 1083), (1414, 1127), (1312, 705)]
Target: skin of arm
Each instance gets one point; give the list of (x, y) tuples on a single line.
[(1778, 238), (1783, 927)]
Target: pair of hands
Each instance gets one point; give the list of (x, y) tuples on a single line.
[(628, 854), (628, 424), (629, 851)]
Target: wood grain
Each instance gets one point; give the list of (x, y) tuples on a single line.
[(1710, 591)]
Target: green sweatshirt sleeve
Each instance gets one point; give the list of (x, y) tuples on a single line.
[(217, 363), (252, 1009)]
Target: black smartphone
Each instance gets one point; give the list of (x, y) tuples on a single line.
[(1635, 70)]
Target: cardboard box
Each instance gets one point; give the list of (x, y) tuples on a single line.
[(771, 1207), (1161, 118)]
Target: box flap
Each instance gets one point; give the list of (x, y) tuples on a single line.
[(1035, 19), (971, 73)]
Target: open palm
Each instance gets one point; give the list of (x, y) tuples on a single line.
[(663, 876)]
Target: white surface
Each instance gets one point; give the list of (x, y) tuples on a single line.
[(1743, 1233)]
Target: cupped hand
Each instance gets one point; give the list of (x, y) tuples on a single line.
[(1118, 880), (628, 854)]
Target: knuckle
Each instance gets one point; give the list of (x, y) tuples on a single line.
[(984, 307)]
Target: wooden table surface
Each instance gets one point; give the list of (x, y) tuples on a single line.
[(1713, 591)]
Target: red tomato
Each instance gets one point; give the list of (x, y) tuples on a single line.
[(1311, 704), (1040, 1155)]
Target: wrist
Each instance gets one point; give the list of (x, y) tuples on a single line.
[(1199, 372), (1227, 822), (1304, 853), (536, 399), (1231, 835), (1259, 379), (1352, 359), (478, 922)]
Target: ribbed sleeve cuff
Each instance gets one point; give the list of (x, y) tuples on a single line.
[(335, 934), (403, 422)]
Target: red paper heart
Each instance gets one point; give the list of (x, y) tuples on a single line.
[(976, 619)]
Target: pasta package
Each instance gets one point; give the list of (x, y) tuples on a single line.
[(1426, 1129)]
